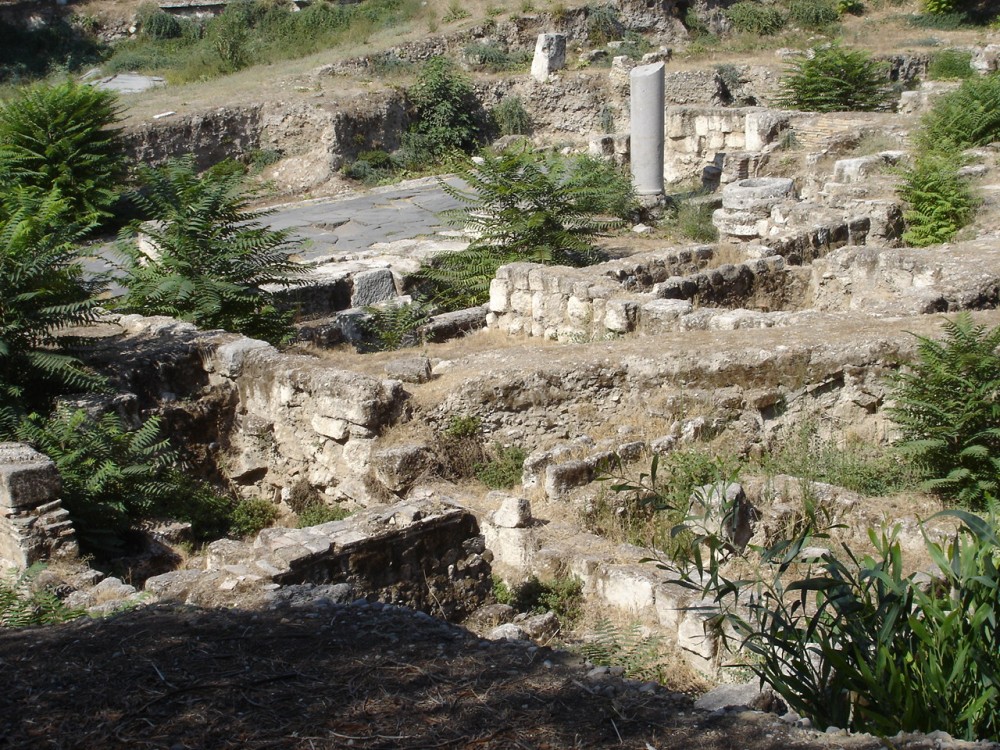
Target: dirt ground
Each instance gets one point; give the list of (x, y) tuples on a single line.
[(337, 676)]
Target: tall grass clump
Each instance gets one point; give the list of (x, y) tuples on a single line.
[(950, 64), (813, 14), (755, 18)]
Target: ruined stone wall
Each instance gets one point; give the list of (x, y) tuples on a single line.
[(33, 524)]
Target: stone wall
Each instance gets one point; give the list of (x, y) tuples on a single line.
[(33, 524)]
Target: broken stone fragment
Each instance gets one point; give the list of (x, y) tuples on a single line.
[(410, 369), (513, 513)]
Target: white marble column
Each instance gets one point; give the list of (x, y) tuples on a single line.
[(646, 86)]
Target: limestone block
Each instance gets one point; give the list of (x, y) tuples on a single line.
[(513, 513), (561, 478), (626, 588), (578, 311), (662, 314), (550, 56), (513, 549), (621, 316), (520, 302), (855, 170), (372, 287), (499, 296), (399, 467), (409, 369), (27, 478), (335, 429), (508, 632), (694, 633)]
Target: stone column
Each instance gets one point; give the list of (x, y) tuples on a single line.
[(646, 87), (550, 55)]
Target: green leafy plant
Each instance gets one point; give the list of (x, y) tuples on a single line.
[(156, 23), (940, 202), (211, 256), (632, 648), (855, 642), (813, 14), (603, 24), (319, 512), (43, 291), (694, 221), (461, 452), (63, 139), (753, 17), (394, 325), (947, 405), (511, 116), (114, 477), (521, 207), (29, 50), (455, 12), (967, 117), (493, 58), (950, 64), (562, 595), (250, 516), (850, 7), (22, 603), (371, 167), (835, 79), (502, 468), (447, 115)]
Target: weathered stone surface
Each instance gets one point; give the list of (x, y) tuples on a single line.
[(513, 513), (409, 370), (508, 632), (726, 511), (27, 478), (561, 478), (550, 56), (400, 467), (372, 287)]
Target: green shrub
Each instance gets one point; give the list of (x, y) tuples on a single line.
[(446, 109), (947, 406), (694, 221), (23, 604), (950, 64), (213, 256), (156, 23), (850, 7), (561, 595), (491, 57), (632, 648), (503, 467), (511, 116), (603, 25), (64, 138), (394, 325), (29, 50), (319, 512), (44, 292), (854, 642), (113, 478), (250, 516), (835, 79), (812, 14), (939, 201), (967, 117), (752, 17), (939, 21), (372, 167), (522, 207)]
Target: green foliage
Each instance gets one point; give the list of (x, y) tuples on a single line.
[(752, 17), (114, 477), (250, 516), (23, 604), (212, 254), (511, 116), (446, 110), (561, 595), (42, 291), (950, 64), (493, 58), (967, 117), (63, 138), (940, 201), (463, 427), (319, 512), (156, 23), (938, 7), (850, 7), (372, 167), (835, 79), (603, 24), (813, 14), (940, 21), (694, 221), (455, 12), (947, 405), (854, 642), (856, 465), (503, 467), (632, 648), (521, 207), (394, 325)]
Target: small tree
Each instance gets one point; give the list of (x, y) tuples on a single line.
[(834, 79), (447, 114), (64, 138), (42, 292), (211, 256), (947, 405)]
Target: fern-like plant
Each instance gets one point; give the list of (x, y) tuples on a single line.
[(947, 405), (940, 201), (114, 477), (394, 326), (42, 292), (211, 256), (636, 651), (63, 138), (23, 604), (520, 207), (834, 79), (967, 117)]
